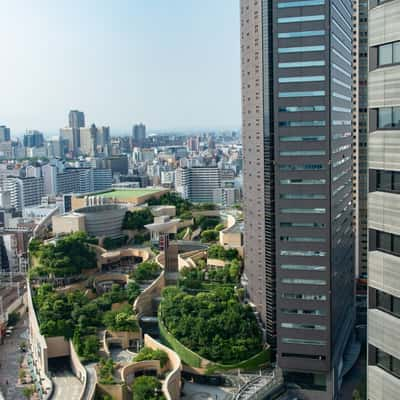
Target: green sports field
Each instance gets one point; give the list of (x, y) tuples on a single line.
[(126, 194)]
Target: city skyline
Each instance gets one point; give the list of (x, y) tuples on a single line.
[(112, 74)]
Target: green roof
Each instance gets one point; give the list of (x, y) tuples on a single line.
[(128, 193)]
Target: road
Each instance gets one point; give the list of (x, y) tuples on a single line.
[(9, 362), (66, 386)]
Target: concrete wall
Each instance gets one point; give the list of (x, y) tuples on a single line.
[(144, 303), (78, 369), (122, 338), (128, 372), (68, 224), (57, 346), (172, 383)]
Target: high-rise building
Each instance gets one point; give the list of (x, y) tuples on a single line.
[(102, 140), (360, 134), (72, 137), (383, 372), (76, 119), (297, 147), (24, 192), (5, 134), (88, 140), (33, 138), (139, 134)]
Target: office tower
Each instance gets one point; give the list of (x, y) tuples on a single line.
[(88, 136), (193, 143), (139, 134), (102, 139), (72, 137), (24, 192), (297, 147), (5, 134), (360, 135), (33, 138), (102, 179), (76, 119), (383, 373)]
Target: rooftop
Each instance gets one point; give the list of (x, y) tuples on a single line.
[(129, 193)]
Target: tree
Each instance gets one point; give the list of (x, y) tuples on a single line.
[(146, 271), (146, 353), (106, 371), (136, 220), (147, 388), (28, 391)]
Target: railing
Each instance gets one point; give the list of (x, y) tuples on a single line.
[(259, 387)]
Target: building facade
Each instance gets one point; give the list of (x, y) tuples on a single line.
[(383, 375), (5, 134), (297, 151), (76, 119), (24, 192), (139, 134)]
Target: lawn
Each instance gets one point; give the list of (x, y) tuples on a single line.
[(129, 193)]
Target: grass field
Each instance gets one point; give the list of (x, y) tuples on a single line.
[(128, 193)]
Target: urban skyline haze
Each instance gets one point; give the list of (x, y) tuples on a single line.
[(172, 65)]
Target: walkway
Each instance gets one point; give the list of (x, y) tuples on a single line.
[(66, 386), (91, 381), (194, 391)]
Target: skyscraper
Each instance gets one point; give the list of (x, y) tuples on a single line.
[(33, 138), (88, 140), (5, 135), (384, 200), (360, 133), (297, 147), (139, 134), (76, 119)]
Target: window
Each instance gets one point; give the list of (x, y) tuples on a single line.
[(389, 117), (290, 325), (296, 79), (301, 123), (309, 342), (301, 64), (341, 96), (303, 3), (313, 93), (389, 54), (308, 356), (388, 362), (302, 49), (299, 181), (387, 242), (341, 109), (287, 35), (301, 138), (304, 18), (303, 296), (387, 181), (303, 253), (302, 196), (299, 153), (301, 108), (303, 210), (300, 281), (294, 267)]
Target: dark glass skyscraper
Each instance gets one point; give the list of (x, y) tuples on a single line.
[(297, 138)]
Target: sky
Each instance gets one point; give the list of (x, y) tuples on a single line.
[(172, 64)]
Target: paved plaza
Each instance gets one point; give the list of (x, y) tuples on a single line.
[(194, 391)]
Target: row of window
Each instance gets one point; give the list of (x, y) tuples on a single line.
[(389, 53), (387, 181), (300, 153), (301, 3), (303, 210), (304, 296), (315, 327), (299, 79), (311, 93), (303, 253), (296, 311), (302, 18), (308, 342), (388, 362), (299, 124), (299, 181), (302, 64), (388, 242), (388, 303), (300, 34), (302, 225), (295, 267), (300, 49), (302, 108), (389, 117), (301, 167), (308, 356), (302, 196)]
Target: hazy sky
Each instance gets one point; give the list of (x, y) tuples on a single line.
[(168, 63)]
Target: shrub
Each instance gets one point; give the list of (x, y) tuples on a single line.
[(106, 371), (146, 271), (136, 220), (149, 354), (209, 235), (147, 388)]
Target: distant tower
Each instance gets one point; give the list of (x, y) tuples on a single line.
[(139, 134), (5, 135), (76, 119)]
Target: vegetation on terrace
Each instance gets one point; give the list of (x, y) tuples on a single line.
[(146, 353), (217, 251), (74, 315), (106, 371), (146, 271), (214, 324), (68, 256), (147, 388), (136, 220)]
